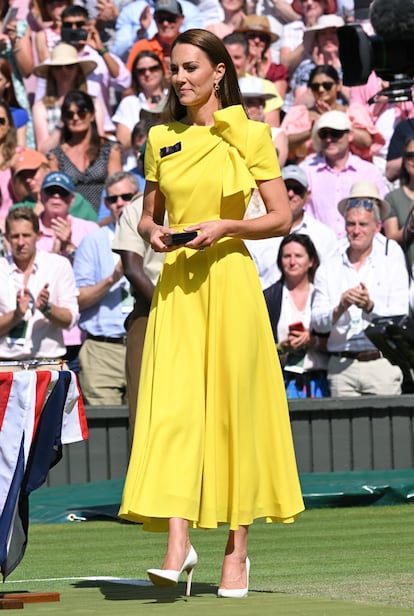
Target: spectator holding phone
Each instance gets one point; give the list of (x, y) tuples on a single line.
[(289, 305)]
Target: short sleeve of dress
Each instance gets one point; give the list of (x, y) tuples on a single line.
[(150, 161), (261, 155)]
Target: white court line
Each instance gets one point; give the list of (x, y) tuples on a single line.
[(103, 578)]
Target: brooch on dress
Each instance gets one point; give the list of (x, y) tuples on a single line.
[(170, 149)]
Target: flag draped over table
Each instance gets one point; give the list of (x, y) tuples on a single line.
[(39, 412)]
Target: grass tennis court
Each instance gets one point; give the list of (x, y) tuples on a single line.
[(349, 561)]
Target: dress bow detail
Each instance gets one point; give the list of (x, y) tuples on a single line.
[(231, 124)]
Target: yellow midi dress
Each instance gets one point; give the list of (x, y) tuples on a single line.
[(212, 441)]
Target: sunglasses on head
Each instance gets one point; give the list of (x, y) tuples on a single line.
[(56, 190), (81, 113), (333, 133), (114, 198), (296, 188), (366, 203), (151, 69), (326, 85), (160, 17), (3, 121), (407, 155)]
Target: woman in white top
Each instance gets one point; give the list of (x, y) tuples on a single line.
[(289, 305), (148, 85)]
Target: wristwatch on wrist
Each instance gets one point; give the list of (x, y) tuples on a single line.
[(47, 310)]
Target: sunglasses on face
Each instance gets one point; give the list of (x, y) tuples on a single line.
[(81, 113), (125, 197), (326, 85), (151, 69), (333, 133), (160, 17), (50, 191), (367, 204), (261, 36), (406, 155), (73, 24), (296, 188), (3, 121)]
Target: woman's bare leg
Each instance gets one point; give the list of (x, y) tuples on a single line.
[(178, 544), (233, 574)]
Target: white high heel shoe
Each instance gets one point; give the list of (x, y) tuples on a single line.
[(170, 577), (236, 593)]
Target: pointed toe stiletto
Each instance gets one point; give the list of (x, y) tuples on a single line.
[(236, 593), (170, 577)]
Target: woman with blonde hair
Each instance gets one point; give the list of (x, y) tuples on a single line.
[(63, 73)]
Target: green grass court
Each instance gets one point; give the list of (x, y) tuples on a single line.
[(348, 561)]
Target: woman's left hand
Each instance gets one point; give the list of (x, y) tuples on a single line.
[(208, 233)]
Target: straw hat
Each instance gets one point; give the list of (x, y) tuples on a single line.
[(64, 55), (323, 23), (257, 23), (365, 190), (330, 6)]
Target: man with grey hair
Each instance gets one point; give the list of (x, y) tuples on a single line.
[(104, 302), (365, 278)]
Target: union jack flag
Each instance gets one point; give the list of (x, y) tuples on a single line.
[(39, 412)]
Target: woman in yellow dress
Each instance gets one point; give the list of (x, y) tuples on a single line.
[(212, 441)]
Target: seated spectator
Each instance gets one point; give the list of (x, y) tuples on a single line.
[(82, 153), (386, 117), (8, 149), (135, 21), (49, 21), (169, 18), (62, 73), (149, 90), (292, 49), (38, 298), (333, 170), (260, 37), (325, 86), (404, 131), (29, 170), (289, 305), (399, 223), (233, 14), (16, 48), (237, 46), (254, 99), (8, 95), (104, 302), (110, 76), (264, 252), (362, 280)]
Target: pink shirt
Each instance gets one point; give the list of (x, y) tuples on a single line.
[(328, 187), (80, 228)]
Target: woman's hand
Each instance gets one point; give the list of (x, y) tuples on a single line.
[(208, 233), (298, 340), (157, 237)]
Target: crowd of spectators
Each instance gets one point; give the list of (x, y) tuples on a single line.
[(81, 82)]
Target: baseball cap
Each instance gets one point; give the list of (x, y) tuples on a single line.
[(293, 172), (337, 120), (59, 178), (28, 159), (169, 6), (253, 87)]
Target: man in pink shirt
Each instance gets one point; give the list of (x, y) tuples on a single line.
[(333, 171)]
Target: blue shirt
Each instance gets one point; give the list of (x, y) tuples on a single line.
[(94, 261)]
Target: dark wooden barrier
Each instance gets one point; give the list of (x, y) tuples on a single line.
[(331, 434)]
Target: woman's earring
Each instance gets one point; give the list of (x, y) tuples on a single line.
[(217, 89)]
